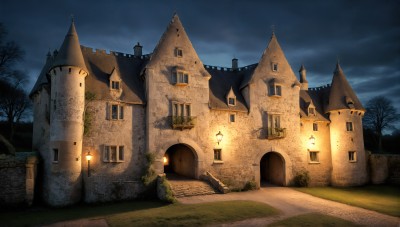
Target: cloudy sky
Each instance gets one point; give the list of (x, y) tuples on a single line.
[(363, 34)]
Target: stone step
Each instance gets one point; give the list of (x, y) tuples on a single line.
[(190, 187)]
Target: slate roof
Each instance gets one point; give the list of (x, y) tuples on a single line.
[(100, 66), (222, 79), (316, 96), (341, 93), (70, 52), (42, 79)]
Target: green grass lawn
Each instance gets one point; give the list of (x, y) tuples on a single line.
[(381, 198), (313, 219), (143, 213)]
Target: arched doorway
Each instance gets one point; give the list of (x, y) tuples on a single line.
[(180, 159), (272, 169)]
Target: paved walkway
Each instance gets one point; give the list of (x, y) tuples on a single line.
[(292, 202), (183, 186)]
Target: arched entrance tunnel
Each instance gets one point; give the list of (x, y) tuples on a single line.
[(180, 159), (272, 169)]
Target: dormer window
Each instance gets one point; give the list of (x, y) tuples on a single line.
[(231, 98), (178, 52), (115, 85), (274, 67), (232, 101), (311, 111), (180, 77)]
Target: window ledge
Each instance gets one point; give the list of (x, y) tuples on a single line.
[(218, 162), (353, 161), (313, 162), (181, 84), (276, 96)]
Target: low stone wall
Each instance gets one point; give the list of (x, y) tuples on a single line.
[(217, 184), (384, 168), (17, 174)]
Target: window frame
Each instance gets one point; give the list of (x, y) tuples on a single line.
[(233, 99), (218, 155), (56, 155), (115, 85), (311, 159), (108, 156), (232, 118), (178, 52), (315, 126), (275, 90), (274, 67), (117, 113), (349, 126), (180, 77), (352, 156)]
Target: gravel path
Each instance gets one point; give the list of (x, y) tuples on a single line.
[(292, 203)]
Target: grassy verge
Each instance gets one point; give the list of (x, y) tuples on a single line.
[(142, 213), (193, 214), (381, 198), (313, 219)]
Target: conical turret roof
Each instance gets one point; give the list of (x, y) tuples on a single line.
[(70, 53), (341, 94)]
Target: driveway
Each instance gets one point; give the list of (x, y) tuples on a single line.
[(292, 202)]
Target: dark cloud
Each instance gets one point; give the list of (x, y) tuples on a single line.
[(363, 35)]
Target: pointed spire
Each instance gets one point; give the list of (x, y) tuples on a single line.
[(303, 78), (341, 94), (70, 53)]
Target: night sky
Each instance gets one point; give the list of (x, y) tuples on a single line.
[(363, 35)]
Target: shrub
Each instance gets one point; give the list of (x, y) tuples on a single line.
[(302, 178), (149, 175), (250, 185), (166, 189)]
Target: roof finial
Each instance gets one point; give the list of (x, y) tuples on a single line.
[(273, 29), (72, 18)]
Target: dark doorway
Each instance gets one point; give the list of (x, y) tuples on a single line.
[(272, 169), (179, 159)]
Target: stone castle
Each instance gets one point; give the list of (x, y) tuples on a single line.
[(241, 124)]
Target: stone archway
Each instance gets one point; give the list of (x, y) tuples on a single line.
[(272, 169), (180, 159)]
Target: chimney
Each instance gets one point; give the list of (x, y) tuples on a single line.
[(234, 63), (303, 78), (137, 50)]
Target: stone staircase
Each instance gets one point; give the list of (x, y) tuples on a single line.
[(184, 187)]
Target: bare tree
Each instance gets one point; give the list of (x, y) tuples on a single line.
[(380, 115), (14, 101)]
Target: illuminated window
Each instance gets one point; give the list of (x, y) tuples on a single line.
[(178, 52), (113, 153), (116, 112), (217, 155), (313, 156), (352, 156), (349, 126), (180, 78), (315, 126)]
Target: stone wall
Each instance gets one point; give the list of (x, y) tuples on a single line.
[(17, 174), (384, 168)]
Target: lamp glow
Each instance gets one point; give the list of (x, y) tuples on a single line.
[(219, 136), (312, 140), (88, 158)]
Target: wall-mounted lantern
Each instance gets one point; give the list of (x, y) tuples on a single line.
[(165, 160), (312, 140), (219, 137), (88, 158)]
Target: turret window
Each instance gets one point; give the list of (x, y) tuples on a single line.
[(352, 156), (274, 67), (113, 153), (349, 126), (55, 155)]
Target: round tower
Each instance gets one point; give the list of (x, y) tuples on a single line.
[(347, 143), (68, 72)]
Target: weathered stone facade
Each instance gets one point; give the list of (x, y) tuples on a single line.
[(170, 104), (18, 178)]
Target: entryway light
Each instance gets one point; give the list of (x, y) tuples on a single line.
[(312, 140), (88, 158), (165, 160), (219, 137)]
